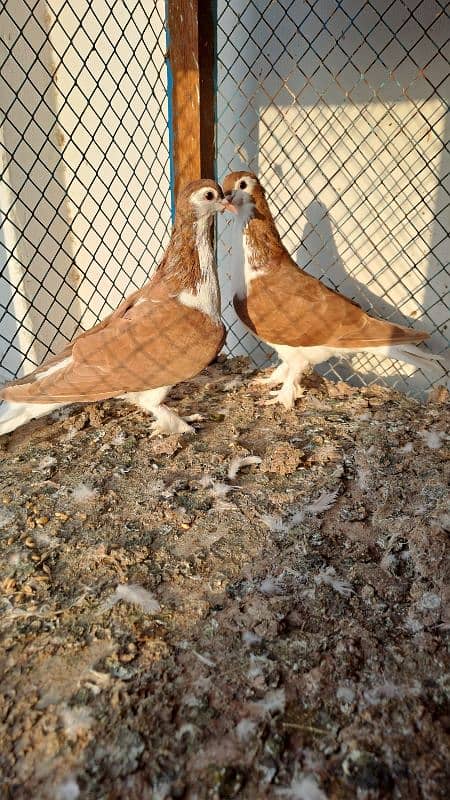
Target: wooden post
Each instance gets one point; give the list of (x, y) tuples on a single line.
[(191, 55)]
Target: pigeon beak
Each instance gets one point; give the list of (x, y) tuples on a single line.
[(228, 206)]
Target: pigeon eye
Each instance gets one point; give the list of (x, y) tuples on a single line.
[(209, 196), (242, 185)]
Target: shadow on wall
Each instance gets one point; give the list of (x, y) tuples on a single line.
[(39, 307), (328, 266)]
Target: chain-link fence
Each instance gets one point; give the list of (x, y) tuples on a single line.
[(340, 108), (85, 161)]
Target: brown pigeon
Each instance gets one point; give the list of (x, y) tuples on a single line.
[(303, 320), (165, 333)]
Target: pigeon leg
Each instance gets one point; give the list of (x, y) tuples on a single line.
[(166, 420), (277, 376), (291, 389)]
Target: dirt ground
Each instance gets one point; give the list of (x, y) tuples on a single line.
[(176, 623)]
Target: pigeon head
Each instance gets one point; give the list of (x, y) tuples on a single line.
[(202, 199), (243, 189), (246, 194)]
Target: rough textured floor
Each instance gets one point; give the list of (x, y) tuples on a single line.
[(170, 629)]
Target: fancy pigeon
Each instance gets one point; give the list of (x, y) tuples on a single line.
[(303, 320), (165, 333)]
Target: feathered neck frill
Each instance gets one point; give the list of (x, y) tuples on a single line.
[(262, 237), (180, 267)]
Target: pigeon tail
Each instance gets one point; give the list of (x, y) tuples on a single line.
[(418, 358)]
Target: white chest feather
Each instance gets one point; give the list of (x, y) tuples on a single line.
[(205, 296), (243, 270)]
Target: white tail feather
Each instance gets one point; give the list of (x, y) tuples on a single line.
[(419, 358), (13, 415)]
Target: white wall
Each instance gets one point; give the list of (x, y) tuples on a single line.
[(346, 129), (84, 84)]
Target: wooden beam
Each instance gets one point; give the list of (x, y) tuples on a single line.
[(191, 55)]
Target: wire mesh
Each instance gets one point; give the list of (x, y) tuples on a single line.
[(340, 108), (85, 166)]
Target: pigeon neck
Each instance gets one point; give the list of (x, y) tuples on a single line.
[(180, 268), (261, 240), (192, 271)]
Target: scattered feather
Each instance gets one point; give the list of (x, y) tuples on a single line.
[(407, 448), (297, 518), (76, 721), (274, 523), (6, 517), (192, 701), (46, 462), (273, 702), (221, 490), (44, 539), (61, 413), (328, 576), (303, 788), (271, 585), (390, 691), (433, 439), (323, 502), (256, 666), (429, 601), (134, 595), (231, 385), (217, 488), (67, 790), (238, 462), (245, 729), (100, 678), (345, 694), (222, 505), (83, 493), (250, 638), (388, 561), (444, 521), (158, 487), (413, 625), (363, 478), (204, 659), (119, 439)]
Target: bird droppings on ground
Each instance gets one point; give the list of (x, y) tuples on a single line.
[(256, 611)]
